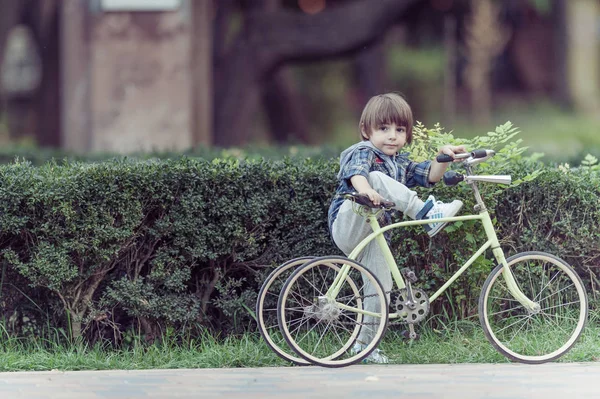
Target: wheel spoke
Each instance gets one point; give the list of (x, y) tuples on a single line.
[(307, 281), (519, 319), (321, 337), (549, 282), (299, 324), (506, 311), (525, 322), (561, 305), (557, 292)]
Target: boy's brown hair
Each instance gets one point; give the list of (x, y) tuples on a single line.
[(384, 109)]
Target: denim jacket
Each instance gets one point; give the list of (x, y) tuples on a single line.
[(363, 158)]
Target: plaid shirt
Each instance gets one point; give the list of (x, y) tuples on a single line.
[(365, 160)]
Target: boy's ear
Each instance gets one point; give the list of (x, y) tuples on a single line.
[(363, 132)]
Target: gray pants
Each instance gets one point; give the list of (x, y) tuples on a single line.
[(349, 229)]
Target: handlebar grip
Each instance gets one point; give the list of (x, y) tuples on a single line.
[(479, 153), (387, 204), (444, 158), (363, 199), (451, 178)]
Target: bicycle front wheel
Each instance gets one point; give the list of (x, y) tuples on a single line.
[(542, 334), (323, 329)]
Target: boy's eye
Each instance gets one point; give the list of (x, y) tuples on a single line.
[(383, 128)]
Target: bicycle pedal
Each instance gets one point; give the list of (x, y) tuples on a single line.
[(409, 274), (407, 335)]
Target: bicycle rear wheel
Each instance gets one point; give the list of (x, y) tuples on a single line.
[(266, 310), (323, 330), (534, 336)]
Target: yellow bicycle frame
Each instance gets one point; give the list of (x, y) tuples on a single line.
[(377, 235)]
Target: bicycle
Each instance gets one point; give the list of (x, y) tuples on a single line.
[(321, 306)]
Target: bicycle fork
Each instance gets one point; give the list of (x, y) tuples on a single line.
[(511, 283)]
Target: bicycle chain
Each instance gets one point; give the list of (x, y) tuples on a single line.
[(400, 321), (371, 324)]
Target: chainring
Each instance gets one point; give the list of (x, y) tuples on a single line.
[(420, 309)]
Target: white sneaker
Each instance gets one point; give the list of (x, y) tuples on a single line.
[(438, 211), (376, 356)]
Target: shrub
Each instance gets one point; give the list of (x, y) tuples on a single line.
[(100, 248), (152, 239)]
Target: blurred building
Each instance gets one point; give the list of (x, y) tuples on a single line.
[(125, 75), (137, 75)]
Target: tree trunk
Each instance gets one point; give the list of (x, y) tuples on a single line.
[(48, 129), (287, 121), (370, 70), (269, 40), (202, 72), (285, 116), (223, 12), (235, 93), (75, 60), (561, 86), (583, 56), (450, 50), (485, 39), (76, 324)]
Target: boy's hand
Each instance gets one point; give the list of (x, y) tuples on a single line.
[(437, 169), (452, 150), (373, 196), (361, 184)]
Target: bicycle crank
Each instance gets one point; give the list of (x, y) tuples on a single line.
[(413, 308), (410, 334)]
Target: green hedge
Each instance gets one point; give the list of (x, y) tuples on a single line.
[(111, 246), (40, 156), (118, 242), (99, 250)]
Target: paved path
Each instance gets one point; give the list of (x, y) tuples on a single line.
[(464, 381)]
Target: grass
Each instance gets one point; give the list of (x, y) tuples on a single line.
[(459, 342), (206, 352), (466, 343)]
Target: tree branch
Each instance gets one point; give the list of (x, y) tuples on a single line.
[(269, 39), (284, 36)]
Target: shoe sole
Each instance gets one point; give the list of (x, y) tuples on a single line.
[(457, 207)]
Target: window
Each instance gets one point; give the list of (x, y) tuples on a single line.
[(140, 5)]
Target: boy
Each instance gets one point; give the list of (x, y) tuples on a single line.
[(374, 167)]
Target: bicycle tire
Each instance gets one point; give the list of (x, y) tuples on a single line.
[(542, 335), (265, 315), (305, 315)]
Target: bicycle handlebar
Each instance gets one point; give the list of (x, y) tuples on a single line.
[(451, 178), (473, 154), (363, 199)]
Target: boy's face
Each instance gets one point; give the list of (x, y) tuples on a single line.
[(389, 138)]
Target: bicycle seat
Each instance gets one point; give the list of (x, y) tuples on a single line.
[(363, 199)]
